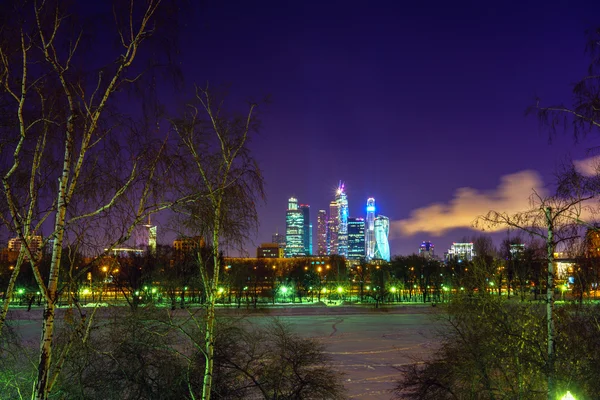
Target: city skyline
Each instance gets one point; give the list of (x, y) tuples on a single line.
[(421, 106), (361, 236)]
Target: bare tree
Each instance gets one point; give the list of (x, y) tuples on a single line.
[(225, 182), (582, 116), (274, 363), (65, 164), (556, 219)]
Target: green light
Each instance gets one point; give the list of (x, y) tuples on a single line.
[(340, 289), (86, 291), (185, 288), (568, 396), (153, 290), (145, 287), (221, 290), (21, 291), (491, 283), (283, 289), (393, 289), (564, 288), (446, 288), (368, 288), (324, 290), (310, 288), (462, 288)]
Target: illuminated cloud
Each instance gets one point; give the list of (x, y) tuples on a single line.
[(511, 196), (588, 166)]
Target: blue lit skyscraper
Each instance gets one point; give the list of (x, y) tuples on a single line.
[(370, 229), (342, 234), (382, 246), (426, 250), (294, 230), (307, 228), (356, 238)]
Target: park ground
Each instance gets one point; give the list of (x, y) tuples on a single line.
[(364, 343)]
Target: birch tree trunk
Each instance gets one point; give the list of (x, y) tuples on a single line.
[(58, 111), (224, 210), (550, 300)]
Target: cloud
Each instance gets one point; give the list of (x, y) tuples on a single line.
[(588, 166), (511, 196)]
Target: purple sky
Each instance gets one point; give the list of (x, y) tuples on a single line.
[(403, 101)]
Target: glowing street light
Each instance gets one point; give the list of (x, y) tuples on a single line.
[(340, 289), (568, 396)]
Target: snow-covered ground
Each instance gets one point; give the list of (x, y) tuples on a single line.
[(363, 343), (366, 345)]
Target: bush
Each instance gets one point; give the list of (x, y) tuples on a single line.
[(492, 348)]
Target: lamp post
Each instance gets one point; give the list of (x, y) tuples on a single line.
[(105, 270), (284, 290)]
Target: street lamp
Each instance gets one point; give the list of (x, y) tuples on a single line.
[(284, 290), (568, 396)]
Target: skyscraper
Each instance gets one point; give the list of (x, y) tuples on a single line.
[(426, 250), (342, 235), (333, 228), (382, 246), (294, 230), (356, 238), (307, 227), (322, 233), (370, 229)]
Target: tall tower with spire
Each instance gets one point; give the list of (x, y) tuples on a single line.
[(342, 203), (370, 229)]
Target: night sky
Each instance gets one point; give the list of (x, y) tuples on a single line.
[(418, 104)]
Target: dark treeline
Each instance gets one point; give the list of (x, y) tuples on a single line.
[(170, 277)]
